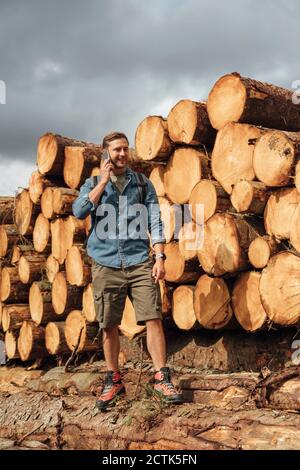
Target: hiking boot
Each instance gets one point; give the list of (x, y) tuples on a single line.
[(164, 387), (112, 389)]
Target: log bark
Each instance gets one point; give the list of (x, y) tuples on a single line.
[(76, 325), (10, 341), (208, 196), (212, 302), (31, 267), (190, 162), (246, 302), (55, 338), (20, 250), (38, 183), (13, 291), (279, 289), (152, 141), (250, 197), (9, 237), (279, 213), (128, 326), (188, 123), (25, 213), (78, 267), (40, 304), (31, 341), (41, 234), (63, 199), (157, 179), (51, 155), (78, 164), (232, 156), (226, 242), (7, 205), (177, 268), (88, 305), (238, 99), (14, 315), (65, 297), (183, 312), (261, 249), (276, 154)]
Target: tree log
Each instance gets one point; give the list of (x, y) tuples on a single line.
[(190, 240), (41, 234), (226, 242), (52, 267), (38, 183), (25, 213), (88, 305), (13, 291), (63, 199), (76, 324), (191, 163), (40, 304), (55, 338), (275, 156), (188, 123), (295, 229), (47, 203), (50, 153), (58, 243), (250, 197), (65, 297), (152, 141), (261, 249), (246, 302), (9, 237), (279, 289), (237, 99), (78, 164), (31, 341), (183, 307), (7, 205), (128, 326), (14, 315), (211, 196), (11, 345), (78, 267), (212, 302), (279, 213), (166, 293), (74, 231), (232, 156), (31, 267), (20, 250), (177, 268), (157, 179), (171, 216)]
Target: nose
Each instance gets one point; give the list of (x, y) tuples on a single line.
[(122, 152)]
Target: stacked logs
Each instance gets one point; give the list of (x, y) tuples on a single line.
[(229, 198), (47, 304), (227, 176)]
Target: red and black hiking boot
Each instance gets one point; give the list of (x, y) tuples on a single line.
[(164, 387), (112, 389)]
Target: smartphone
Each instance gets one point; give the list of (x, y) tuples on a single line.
[(106, 156)]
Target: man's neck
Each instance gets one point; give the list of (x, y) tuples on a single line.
[(117, 172)]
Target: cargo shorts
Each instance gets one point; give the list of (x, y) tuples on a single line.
[(111, 286)]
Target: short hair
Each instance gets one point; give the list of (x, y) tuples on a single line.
[(113, 136)]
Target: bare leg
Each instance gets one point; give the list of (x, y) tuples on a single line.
[(111, 347), (156, 343)]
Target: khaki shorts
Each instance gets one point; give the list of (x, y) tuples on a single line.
[(111, 286)]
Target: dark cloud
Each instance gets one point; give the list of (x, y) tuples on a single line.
[(85, 68)]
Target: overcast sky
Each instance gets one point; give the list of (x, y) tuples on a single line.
[(83, 69)]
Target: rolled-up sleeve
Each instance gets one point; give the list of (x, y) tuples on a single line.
[(155, 223), (82, 206)]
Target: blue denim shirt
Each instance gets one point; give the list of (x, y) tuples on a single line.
[(114, 240)]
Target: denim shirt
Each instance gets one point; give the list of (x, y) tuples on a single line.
[(114, 240)]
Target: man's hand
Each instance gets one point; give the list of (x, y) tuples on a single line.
[(158, 270), (105, 169)]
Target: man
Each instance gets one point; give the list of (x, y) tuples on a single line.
[(121, 265)]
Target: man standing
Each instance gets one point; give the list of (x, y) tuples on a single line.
[(121, 265)]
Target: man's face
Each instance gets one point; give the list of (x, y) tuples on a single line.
[(119, 152)]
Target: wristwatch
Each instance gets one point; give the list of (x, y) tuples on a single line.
[(157, 256)]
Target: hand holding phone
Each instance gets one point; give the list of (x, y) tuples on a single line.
[(106, 166)]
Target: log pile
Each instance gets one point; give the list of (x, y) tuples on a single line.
[(227, 176)]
